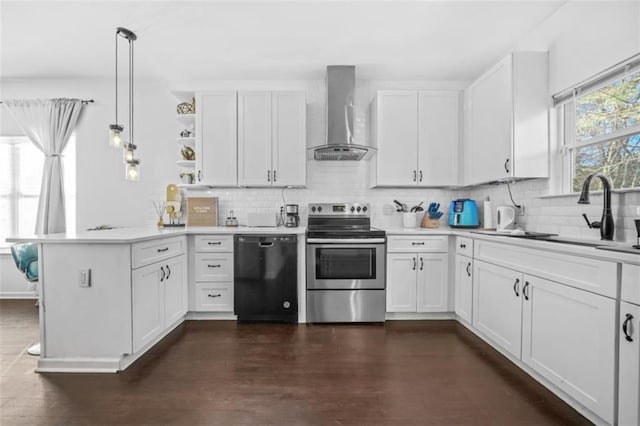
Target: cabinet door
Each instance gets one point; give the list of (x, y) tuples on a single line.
[(401, 282), (254, 138), (147, 305), (397, 138), (629, 391), (496, 305), (289, 139), (490, 115), (438, 140), (216, 139), (432, 286), (175, 290), (569, 338), (464, 287)]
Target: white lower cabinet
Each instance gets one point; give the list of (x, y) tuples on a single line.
[(464, 288), (212, 283), (159, 298), (568, 337), (565, 334), (497, 306), (416, 281), (629, 347)]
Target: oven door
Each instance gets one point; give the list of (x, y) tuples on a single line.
[(344, 266)]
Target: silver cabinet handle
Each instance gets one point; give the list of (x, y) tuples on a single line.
[(421, 264), (168, 272), (214, 295), (414, 263), (214, 266), (163, 274)]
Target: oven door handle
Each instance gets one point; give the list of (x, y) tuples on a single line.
[(345, 240)]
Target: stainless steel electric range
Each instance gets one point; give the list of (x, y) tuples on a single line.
[(346, 266)]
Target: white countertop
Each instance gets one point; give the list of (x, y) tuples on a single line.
[(133, 235)]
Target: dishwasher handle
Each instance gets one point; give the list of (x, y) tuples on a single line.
[(265, 244)]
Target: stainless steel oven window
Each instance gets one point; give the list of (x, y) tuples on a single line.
[(345, 263)]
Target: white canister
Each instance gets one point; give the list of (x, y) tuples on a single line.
[(409, 220)]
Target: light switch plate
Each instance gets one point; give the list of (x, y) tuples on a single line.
[(84, 277)]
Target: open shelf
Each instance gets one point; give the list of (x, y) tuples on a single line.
[(186, 118), (186, 141), (186, 163)]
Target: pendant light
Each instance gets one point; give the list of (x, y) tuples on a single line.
[(115, 130)]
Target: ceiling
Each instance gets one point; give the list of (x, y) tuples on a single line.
[(182, 41)]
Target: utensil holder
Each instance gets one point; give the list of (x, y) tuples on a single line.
[(409, 220), (427, 222)]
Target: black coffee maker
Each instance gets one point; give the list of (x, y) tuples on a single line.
[(292, 219)]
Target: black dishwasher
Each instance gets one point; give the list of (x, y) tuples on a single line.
[(265, 269)]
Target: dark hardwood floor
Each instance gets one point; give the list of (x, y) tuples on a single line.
[(223, 373)]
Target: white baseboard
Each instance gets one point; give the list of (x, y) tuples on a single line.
[(18, 295), (420, 316)]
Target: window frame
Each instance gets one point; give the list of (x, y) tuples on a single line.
[(567, 123)]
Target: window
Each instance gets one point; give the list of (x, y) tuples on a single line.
[(21, 166), (602, 133)]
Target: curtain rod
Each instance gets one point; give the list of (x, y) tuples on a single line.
[(84, 101)]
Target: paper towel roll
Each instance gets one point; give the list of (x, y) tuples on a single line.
[(488, 214)]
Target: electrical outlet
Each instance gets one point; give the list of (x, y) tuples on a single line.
[(520, 211), (84, 277)]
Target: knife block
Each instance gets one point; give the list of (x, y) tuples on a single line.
[(427, 222)]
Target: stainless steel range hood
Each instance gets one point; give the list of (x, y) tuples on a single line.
[(341, 91)]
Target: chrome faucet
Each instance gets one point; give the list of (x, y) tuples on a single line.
[(605, 225)]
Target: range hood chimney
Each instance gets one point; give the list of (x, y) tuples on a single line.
[(341, 91)]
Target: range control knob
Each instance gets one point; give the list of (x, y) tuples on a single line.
[(319, 208), (353, 209), (359, 208), (364, 209), (313, 208)]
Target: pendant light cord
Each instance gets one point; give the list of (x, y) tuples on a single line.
[(116, 37), (131, 92)]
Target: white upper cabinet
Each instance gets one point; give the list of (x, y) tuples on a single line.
[(507, 121), (271, 138), (289, 138), (417, 136), (216, 139)]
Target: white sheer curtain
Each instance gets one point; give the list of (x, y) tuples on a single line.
[(48, 123)]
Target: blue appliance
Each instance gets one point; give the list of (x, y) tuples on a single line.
[(463, 213)]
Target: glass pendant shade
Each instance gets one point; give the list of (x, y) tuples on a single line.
[(115, 135), (129, 151), (132, 172)]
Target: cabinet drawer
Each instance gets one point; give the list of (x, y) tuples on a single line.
[(594, 275), (214, 243), (464, 246), (152, 251), (214, 267), (214, 297), (417, 243), (630, 283)]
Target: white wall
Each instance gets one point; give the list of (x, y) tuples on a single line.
[(584, 38)]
